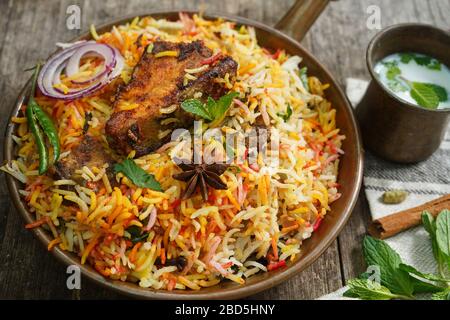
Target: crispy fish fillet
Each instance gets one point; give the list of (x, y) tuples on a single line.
[(157, 83), (91, 153)]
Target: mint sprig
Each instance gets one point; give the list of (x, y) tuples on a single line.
[(399, 280), (211, 110)]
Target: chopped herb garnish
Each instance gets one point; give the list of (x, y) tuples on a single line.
[(235, 169), (303, 73), (286, 116), (150, 47), (137, 175), (392, 69), (87, 118), (136, 234), (392, 73)]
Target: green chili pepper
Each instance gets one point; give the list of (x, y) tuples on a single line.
[(49, 129), (39, 138), (37, 117)]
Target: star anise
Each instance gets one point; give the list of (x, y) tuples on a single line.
[(201, 175)]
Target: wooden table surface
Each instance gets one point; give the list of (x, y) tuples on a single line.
[(28, 32)]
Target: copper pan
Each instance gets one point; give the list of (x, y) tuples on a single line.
[(296, 22)]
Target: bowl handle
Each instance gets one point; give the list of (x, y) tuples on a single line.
[(300, 17)]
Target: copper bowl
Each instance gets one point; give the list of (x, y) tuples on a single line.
[(350, 177), (392, 128)]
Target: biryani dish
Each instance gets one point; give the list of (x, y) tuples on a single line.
[(102, 172)]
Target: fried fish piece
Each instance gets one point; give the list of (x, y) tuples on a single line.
[(156, 89), (90, 152)]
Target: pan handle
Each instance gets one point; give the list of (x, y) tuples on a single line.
[(300, 17)]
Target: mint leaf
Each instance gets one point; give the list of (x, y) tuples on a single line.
[(406, 57), (137, 175), (220, 107), (443, 232), (428, 276), (392, 72), (286, 116), (421, 286), (428, 62), (424, 95), (304, 77), (422, 60), (136, 234), (368, 290), (390, 64), (442, 295), (212, 110), (196, 107), (429, 223), (432, 283), (425, 61), (441, 92), (379, 253), (434, 65)]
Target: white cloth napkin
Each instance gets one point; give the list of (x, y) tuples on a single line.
[(424, 181)]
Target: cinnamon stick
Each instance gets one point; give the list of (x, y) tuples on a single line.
[(397, 222)]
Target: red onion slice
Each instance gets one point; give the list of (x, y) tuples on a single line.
[(106, 52), (120, 63), (69, 60), (58, 72), (45, 78)]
